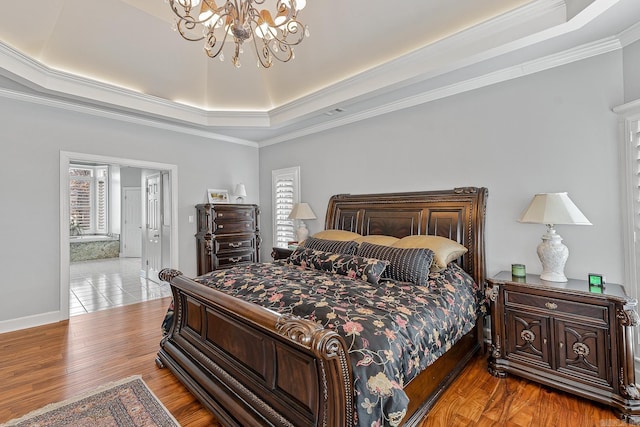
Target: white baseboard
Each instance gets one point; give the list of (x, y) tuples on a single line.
[(30, 321)]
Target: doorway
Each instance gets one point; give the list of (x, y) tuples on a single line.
[(167, 200)]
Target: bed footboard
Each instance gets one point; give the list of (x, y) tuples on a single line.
[(251, 366)]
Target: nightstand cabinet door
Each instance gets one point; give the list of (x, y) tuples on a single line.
[(583, 352), (528, 337)]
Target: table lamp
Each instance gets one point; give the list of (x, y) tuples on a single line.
[(552, 209), (301, 211), (240, 193)]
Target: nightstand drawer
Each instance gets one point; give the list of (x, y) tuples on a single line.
[(599, 313)]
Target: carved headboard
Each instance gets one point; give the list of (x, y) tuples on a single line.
[(456, 214)]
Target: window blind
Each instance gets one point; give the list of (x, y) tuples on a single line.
[(285, 195), (80, 198), (88, 199)]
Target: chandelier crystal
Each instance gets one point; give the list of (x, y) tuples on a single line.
[(239, 21)]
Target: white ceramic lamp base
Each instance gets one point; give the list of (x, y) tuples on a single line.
[(302, 232), (553, 255)]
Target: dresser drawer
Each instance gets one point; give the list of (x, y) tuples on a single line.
[(599, 313), (235, 214), (235, 243), (227, 260), (231, 227)]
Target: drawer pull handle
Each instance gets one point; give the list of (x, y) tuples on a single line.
[(235, 259), (551, 305), (235, 245), (220, 214), (544, 340), (561, 344), (221, 226)]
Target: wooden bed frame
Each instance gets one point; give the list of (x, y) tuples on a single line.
[(253, 367)]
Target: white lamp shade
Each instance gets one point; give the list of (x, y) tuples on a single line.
[(301, 211), (553, 208), (241, 190)]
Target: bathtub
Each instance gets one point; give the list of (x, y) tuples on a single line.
[(90, 247)]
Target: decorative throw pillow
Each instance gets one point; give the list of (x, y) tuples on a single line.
[(347, 265), (341, 235), (445, 250), (336, 246), (377, 239), (406, 265)]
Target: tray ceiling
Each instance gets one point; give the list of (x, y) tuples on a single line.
[(122, 55)]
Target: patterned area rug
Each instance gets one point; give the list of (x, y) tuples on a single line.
[(123, 403)]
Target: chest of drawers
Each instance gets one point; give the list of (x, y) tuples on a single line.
[(228, 235)]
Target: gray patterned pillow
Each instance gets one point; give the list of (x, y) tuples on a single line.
[(348, 247), (353, 266), (406, 265)]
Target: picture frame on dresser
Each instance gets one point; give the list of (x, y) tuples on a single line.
[(217, 196)]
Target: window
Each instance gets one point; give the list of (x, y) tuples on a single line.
[(630, 177), (88, 199), (285, 192), (633, 127)]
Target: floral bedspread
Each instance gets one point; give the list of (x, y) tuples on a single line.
[(393, 330)]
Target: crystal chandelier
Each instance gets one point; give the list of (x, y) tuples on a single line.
[(272, 35)]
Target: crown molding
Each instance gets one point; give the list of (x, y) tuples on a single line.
[(42, 78), (630, 35), (531, 67), (58, 89), (418, 65), (69, 105)]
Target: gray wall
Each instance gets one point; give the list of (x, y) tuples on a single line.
[(632, 72), (130, 177), (551, 131), (32, 137)]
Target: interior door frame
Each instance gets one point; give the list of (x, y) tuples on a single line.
[(66, 158)]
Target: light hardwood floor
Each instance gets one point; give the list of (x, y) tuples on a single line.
[(54, 362)]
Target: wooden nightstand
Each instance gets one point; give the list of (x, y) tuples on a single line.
[(280, 253), (563, 336)]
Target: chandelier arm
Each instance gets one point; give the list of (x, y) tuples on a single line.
[(264, 54), (211, 42)]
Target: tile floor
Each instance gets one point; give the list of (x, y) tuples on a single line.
[(101, 284)]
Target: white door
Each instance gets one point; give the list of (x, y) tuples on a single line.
[(153, 227), (132, 223)]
